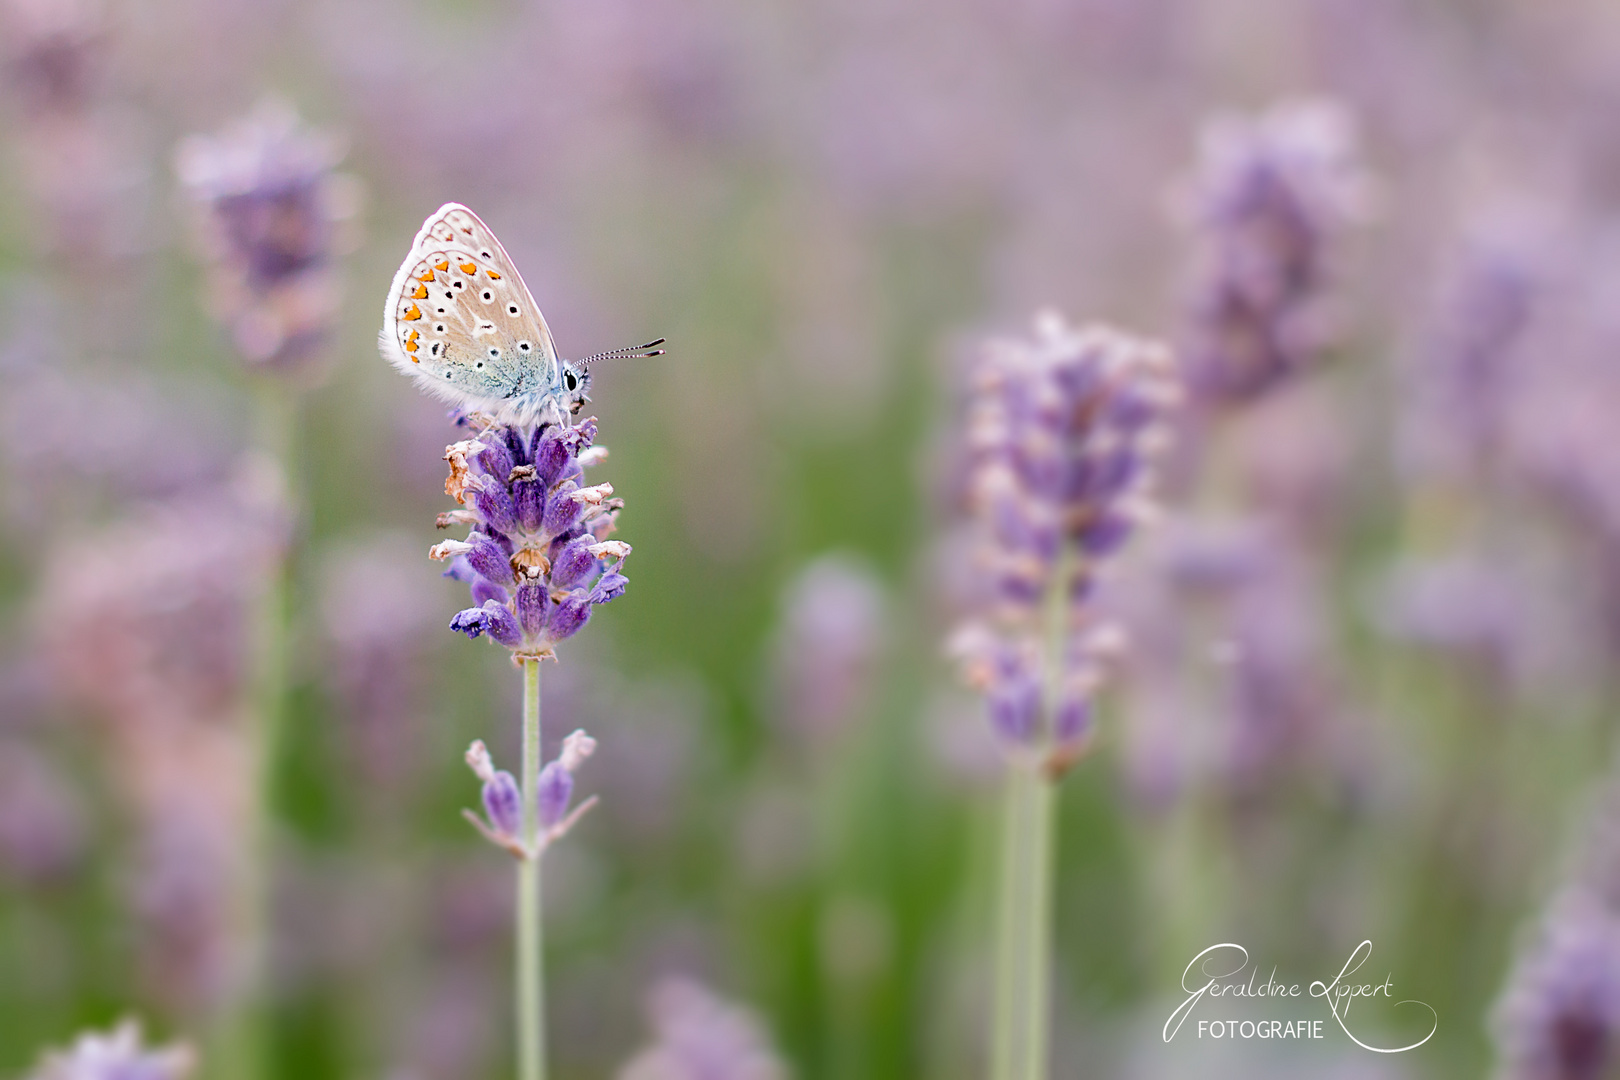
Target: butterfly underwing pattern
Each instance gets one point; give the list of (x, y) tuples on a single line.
[(461, 323)]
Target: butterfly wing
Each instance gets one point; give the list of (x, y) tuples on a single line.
[(460, 321)]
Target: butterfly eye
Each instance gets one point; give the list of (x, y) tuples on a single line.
[(569, 382)]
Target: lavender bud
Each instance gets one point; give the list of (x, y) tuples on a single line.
[(531, 609), (562, 509), (610, 586), (1014, 705), (492, 619), (1073, 720), (499, 512), (1105, 535), (517, 445), (496, 461), (530, 496), (568, 616), (556, 789), (551, 458), (574, 566), (488, 559), (504, 804)]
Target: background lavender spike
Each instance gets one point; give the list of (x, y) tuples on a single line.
[(1268, 199), (1559, 1013), (272, 217), (1063, 434)]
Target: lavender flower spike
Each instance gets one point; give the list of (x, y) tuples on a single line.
[(1269, 197), (272, 218), (1064, 433), (116, 1055), (537, 558)]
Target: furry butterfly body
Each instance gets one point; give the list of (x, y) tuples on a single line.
[(462, 324)]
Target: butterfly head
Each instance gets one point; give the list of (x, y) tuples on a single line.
[(576, 377), (576, 386)]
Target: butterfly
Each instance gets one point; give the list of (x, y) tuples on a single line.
[(461, 323)]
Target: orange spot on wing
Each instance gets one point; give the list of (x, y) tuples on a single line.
[(493, 274), (445, 265), (426, 277), (420, 293), (467, 268), (412, 313)]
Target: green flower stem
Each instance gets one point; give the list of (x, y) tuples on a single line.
[(240, 1045), (1019, 1048), (531, 1022), (1021, 1038)]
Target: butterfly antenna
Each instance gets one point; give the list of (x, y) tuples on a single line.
[(649, 349)]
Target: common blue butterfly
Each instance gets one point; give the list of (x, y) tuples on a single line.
[(461, 323)]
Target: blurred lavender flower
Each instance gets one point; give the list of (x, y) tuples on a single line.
[(74, 147), (1559, 1018), (1234, 680), (147, 619), (1559, 1014), (1269, 197), (116, 1055), (538, 556), (1462, 383), (1523, 621), (272, 217), (53, 62), (701, 1037), (828, 647), (502, 824), (1064, 433), (147, 622)]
